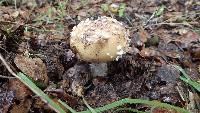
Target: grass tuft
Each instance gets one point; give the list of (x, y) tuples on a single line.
[(58, 109), (187, 79), (23, 78)]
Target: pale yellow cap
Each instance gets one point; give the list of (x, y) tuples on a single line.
[(101, 40)]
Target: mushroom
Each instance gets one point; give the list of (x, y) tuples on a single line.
[(100, 41)]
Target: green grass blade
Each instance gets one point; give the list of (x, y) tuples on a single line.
[(182, 71), (192, 83), (136, 101), (23, 78), (130, 110), (104, 7), (122, 9), (160, 10), (187, 79)]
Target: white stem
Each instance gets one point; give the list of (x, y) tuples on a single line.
[(99, 69)]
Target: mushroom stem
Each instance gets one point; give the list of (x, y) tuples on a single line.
[(98, 69)]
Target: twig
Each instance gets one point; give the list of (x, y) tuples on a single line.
[(88, 106), (172, 24), (1, 76), (149, 18), (7, 22), (7, 66)]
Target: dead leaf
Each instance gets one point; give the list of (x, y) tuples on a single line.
[(21, 91), (32, 67), (147, 52), (188, 38), (173, 16), (143, 35)]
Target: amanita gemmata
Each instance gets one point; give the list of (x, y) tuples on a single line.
[(99, 41)]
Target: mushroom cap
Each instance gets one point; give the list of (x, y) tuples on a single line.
[(101, 40)]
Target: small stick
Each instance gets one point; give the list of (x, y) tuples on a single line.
[(1, 76), (7, 66)]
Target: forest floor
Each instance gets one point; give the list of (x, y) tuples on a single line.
[(34, 39)]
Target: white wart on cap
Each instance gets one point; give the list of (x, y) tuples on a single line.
[(101, 40)]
